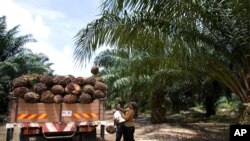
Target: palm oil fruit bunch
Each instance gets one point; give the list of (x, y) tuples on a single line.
[(69, 89)]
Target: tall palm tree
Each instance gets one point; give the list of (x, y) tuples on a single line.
[(222, 26), (157, 64), (16, 60), (134, 75), (212, 36), (10, 42)]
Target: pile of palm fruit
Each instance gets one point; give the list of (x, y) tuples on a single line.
[(35, 88)]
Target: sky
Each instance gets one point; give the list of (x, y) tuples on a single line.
[(53, 23)]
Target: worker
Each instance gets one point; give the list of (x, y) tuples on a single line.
[(119, 123), (129, 127)]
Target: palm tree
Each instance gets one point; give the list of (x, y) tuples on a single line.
[(212, 37), (10, 42), (22, 63), (15, 60), (117, 73), (156, 65), (134, 75), (27, 62)]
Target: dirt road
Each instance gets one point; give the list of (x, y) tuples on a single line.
[(145, 131)]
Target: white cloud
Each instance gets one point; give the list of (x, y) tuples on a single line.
[(62, 59), (33, 21), (49, 14), (17, 15)]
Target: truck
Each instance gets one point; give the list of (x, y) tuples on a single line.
[(43, 121)]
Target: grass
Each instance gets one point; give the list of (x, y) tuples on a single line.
[(226, 112)]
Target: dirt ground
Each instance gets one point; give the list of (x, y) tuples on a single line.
[(145, 131)]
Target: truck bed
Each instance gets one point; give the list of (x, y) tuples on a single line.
[(56, 117)]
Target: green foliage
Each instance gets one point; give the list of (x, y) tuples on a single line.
[(129, 79), (202, 34), (180, 44), (11, 43), (229, 104), (117, 74), (22, 63), (16, 60)]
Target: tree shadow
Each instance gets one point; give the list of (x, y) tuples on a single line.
[(183, 131)]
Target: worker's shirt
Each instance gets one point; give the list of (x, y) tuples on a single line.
[(129, 117), (118, 117)]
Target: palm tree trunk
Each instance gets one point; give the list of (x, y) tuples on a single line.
[(244, 110), (157, 110), (212, 96), (210, 105)]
